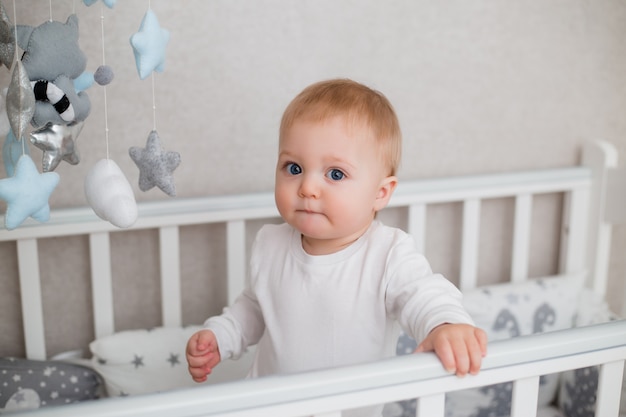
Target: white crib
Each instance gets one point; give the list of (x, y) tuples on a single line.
[(594, 191)]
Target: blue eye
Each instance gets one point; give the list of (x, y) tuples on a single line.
[(293, 169), (336, 175)]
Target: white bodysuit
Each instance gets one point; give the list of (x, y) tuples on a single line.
[(309, 312)]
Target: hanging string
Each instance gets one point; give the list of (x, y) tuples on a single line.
[(153, 103), (154, 126), (50, 3), (106, 111)]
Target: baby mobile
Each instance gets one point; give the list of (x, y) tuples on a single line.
[(47, 90), (107, 190), (155, 165)]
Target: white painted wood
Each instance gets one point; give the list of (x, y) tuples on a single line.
[(416, 226), (169, 247), (609, 388), (441, 190), (524, 399), (217, 209), (101, 284), (521, 237), (574, 244), (236, 257), (615, 205), (470, 244), (600, 157), (30, 291), (431, 406), (392, 379)]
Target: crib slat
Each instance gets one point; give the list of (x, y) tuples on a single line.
[(524, 400), (521, 241), (101, 284), (609, 388), (236, 257), (30, 289), (417, 225), (469, 241), (431, 406), (573, 257), (169, 246), (601, 157)]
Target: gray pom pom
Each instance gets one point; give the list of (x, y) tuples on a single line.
[(104, 75)]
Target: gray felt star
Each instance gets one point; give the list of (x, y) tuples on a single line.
[(155, 165), (7, 39), (58, 143)]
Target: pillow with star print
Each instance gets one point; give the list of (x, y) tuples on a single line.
[(153, 360), (30, 384), (141, 361)]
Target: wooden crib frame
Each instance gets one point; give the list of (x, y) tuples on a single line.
[(594, 200)]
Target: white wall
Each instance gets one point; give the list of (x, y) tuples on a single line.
[(479, 86)]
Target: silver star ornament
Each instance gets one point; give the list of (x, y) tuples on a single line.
[(20, 102), (58, 143)]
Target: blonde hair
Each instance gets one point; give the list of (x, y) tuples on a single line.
[(358, 104)]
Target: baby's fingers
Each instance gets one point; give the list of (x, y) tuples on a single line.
[(201, 361), (199, 374), (477, 349), (443, 350), (201, 343), (446, 354), (204, 341)]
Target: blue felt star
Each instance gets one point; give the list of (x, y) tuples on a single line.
[(27, 193), (155, 165), (109, 3), (149, 45)]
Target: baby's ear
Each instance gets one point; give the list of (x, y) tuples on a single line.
[(385, 190)]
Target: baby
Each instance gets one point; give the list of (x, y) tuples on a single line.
[(332, 285)]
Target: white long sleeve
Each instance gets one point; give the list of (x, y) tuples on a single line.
[(309, 312)]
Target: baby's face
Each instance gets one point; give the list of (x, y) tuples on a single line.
[(328, 180)]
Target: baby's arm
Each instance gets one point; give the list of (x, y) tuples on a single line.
[(460, 347), (202, 354)]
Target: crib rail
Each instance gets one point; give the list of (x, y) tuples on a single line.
[(219, 209), (326, 392)]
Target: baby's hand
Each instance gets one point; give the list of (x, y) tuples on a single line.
[(202, 354), (460, 347)]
